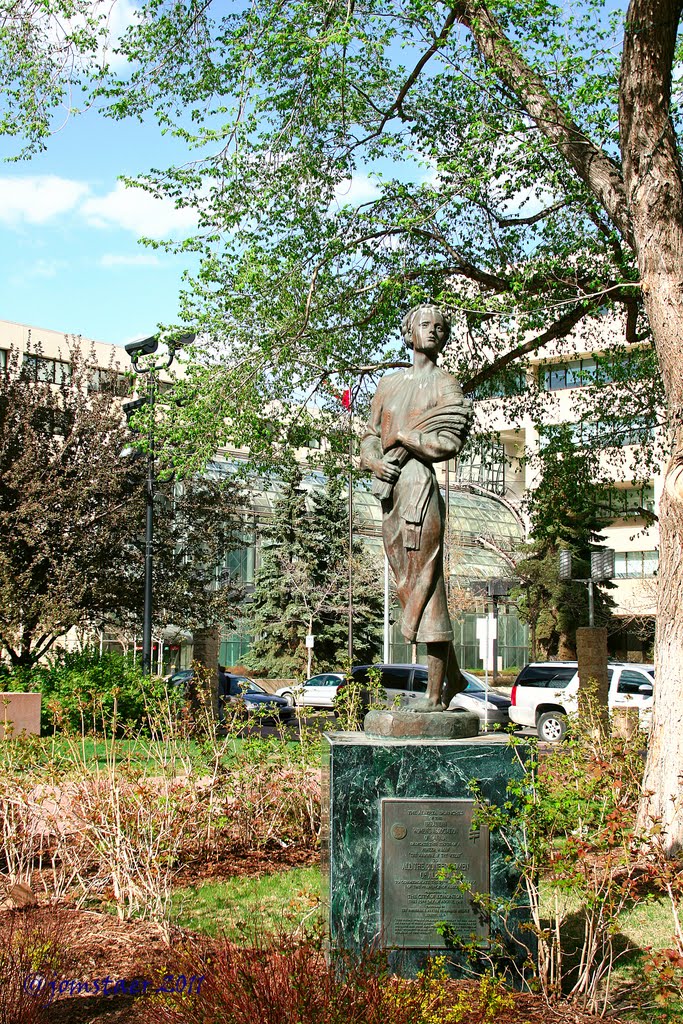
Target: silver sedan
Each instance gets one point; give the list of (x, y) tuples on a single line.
[(490, 706)]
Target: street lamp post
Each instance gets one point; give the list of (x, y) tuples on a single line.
[(602, 568), (137, 350)]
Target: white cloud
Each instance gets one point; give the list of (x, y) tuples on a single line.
[(528, 202), (135, 259), (356, 190), (38, 269), (133, 209), (122, 14), (36, 199)]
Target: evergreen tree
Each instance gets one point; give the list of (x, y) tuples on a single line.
[(329, 548), (278, 612), (301, 587), (567, 512)]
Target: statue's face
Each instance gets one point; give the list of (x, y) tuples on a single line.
[(429, 331)]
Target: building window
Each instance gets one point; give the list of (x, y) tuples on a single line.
[(47, 371), (483, 463), (240, 562), (577, 374), (53, 422), (619, 433), (580, 373), (504, 385), (3, 359), (109, 382), (635, 564), (626, 502)]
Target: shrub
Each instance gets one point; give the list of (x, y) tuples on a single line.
[(280, 982), (30, 945), (574, 828), (86, 691)]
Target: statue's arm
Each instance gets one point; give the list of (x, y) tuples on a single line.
[(434, 446), (372, 456)]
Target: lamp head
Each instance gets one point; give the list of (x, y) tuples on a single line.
[(142, 347)]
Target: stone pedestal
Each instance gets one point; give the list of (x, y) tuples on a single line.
[(394, 812), (400, 724)]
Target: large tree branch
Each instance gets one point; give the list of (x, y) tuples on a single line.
[(559, 329), (395, 109), (593, 166)]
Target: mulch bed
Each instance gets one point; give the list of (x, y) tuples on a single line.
[(100, 946), (247, 864)]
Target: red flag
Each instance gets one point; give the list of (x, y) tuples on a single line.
[(346, 399)]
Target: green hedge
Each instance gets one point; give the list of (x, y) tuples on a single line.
[(79, 690)]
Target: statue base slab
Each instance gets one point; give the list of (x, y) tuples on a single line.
[(394, 811), (406, 724)]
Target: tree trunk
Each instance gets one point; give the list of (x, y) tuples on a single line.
[(646, 207), (654, 185), (566, 648)]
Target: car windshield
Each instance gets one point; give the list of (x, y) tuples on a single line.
[(249, 686)]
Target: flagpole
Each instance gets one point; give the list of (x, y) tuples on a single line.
[(350, 533), (387, 624)]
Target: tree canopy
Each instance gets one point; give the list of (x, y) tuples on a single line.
[(355, 159), (567, 512), (72, 514), (51, 52), (518, 163)]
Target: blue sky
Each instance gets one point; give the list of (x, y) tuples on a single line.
[(71, 260)]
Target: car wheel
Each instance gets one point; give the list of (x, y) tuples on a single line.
[(289, 697), (552, 727)]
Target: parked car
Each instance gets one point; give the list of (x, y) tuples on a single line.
[(401, 683), (405, 683), (317, 692), (490, 705), (544, 694), (233, 687), (181, 676)]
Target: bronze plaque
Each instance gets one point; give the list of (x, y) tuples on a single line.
[(418, 838)]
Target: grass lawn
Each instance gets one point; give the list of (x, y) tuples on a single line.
[(246, 907), (151, 757)]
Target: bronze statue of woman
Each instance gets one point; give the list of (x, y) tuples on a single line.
[(419, 416)]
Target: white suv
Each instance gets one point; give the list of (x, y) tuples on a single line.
[(546, 692)]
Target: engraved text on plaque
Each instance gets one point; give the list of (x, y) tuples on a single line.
[(418, 838)]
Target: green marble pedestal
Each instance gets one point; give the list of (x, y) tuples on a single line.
[(394, 810)]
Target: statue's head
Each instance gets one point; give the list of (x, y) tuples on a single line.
[(420, 320)]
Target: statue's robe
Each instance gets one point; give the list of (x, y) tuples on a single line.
[(413, 509)]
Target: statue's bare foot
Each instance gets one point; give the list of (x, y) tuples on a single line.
[(425, 704)]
